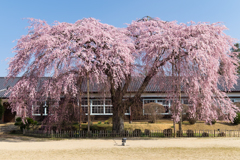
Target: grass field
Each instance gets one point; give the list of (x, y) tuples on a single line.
[(160, 125), (167, 123)]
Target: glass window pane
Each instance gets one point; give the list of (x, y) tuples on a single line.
[(108, 109), (108, 102), (97, 109), (165, 102), (84, 102), (36, 109), (185, 101), (148, 101), (166, 109), (97, 102)]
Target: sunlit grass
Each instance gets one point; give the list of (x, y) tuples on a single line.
[(165, 124)]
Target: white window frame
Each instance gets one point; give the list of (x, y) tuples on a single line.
[(45, 109), (104, 107)]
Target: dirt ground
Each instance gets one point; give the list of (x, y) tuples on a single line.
[(15, 147), (23, 147)]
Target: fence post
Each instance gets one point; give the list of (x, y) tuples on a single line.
[(52, 133), (23, 131)]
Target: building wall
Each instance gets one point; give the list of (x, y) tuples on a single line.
[(101, 108)]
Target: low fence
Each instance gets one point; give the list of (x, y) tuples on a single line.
[(136, 133)]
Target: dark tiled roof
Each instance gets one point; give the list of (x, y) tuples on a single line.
[(153, 86), (237, 86), (3, 85)]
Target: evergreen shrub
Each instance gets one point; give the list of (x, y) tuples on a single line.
[(192, 120), (29, 123), (205, 134), (137, 132), (190, 133), (236, 120), (221, 134), (167, 132)]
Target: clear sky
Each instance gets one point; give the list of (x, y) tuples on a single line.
[(113, 12)]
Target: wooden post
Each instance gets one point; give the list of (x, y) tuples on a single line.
[(179, 85), (80, 100), (174, 128), (174, 122), (52, 133), (130, 117), (88, 102), (80, 107)]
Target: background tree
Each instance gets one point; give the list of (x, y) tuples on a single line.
[(235, 49), (154, 110)]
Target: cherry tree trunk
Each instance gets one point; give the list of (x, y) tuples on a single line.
[(118, 123), (174, 128), (180, 124), (118, 117)]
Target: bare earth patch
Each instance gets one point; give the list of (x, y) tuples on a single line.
[(165, 148)]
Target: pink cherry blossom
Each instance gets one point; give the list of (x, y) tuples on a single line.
[(146, 49)]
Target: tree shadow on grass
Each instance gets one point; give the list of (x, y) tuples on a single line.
[(7, 137), (188, 124), (227, 124)]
